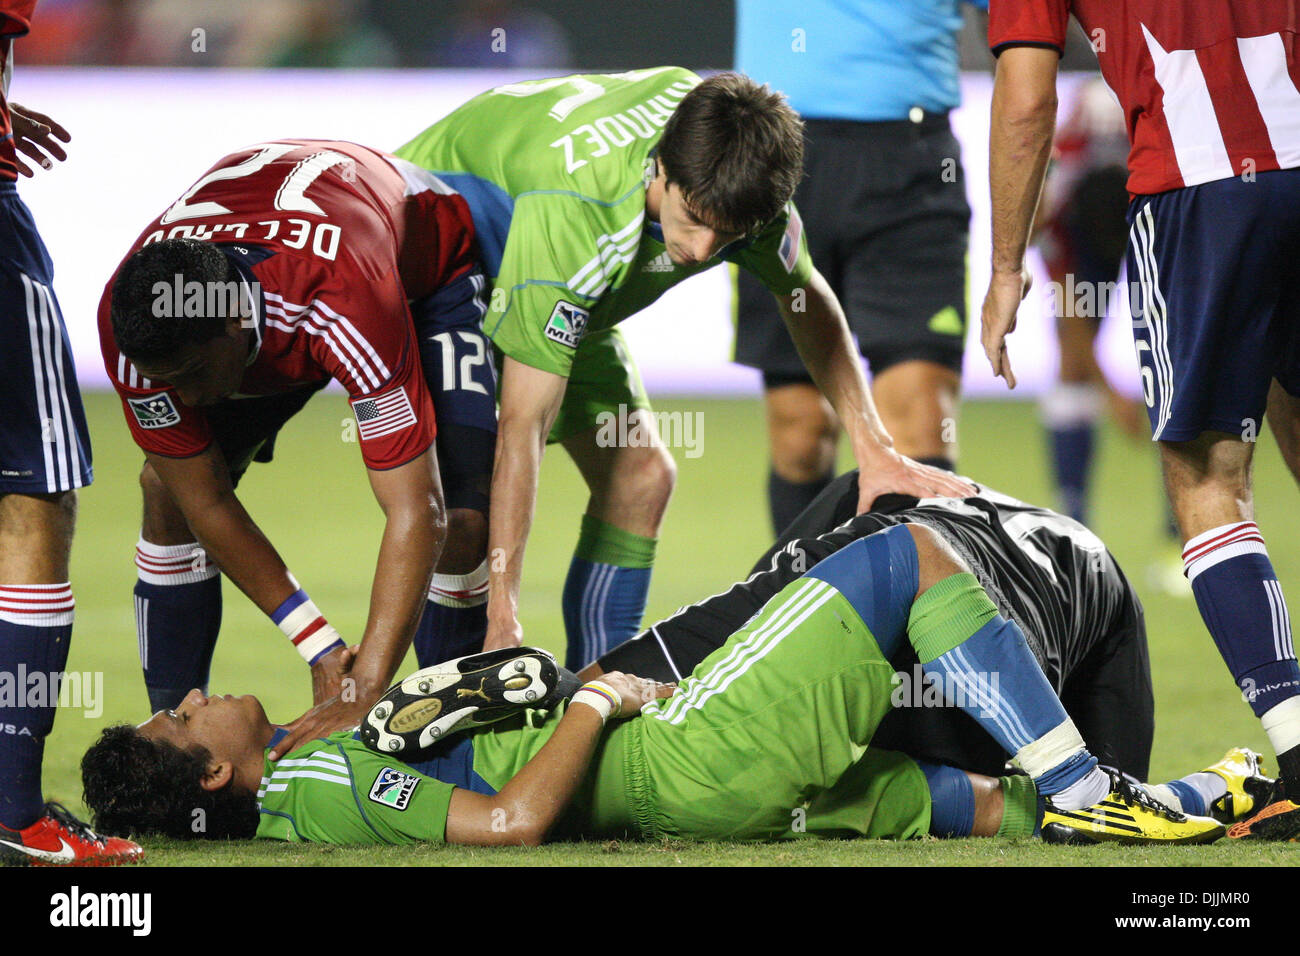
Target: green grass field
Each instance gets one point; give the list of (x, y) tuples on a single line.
[(314, 503)]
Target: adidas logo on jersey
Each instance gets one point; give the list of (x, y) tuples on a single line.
[(660, 263)]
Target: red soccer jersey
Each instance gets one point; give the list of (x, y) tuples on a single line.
[(336, 238), (1210, 88), (15, 21)]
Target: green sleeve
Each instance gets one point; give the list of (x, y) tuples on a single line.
[(778, 256)]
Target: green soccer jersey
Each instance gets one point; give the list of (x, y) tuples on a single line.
[(555, 174), (334, 790)]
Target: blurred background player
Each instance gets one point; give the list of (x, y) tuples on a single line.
[(885, 201), (1213, 111), (44, 458), (1082, 233), (336, 262), (592, 196)]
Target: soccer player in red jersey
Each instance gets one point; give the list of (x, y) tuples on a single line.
[(1211, 97), (44, 459), (287, 265)]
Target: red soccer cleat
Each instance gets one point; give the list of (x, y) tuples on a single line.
[(60, 839)]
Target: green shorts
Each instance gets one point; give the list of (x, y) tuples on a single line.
[(767, 739), (604, 377)]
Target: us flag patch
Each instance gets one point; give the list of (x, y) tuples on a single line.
[(383, 414), (790, 241), (155, 411)]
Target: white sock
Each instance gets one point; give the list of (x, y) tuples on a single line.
[(1084, 792)]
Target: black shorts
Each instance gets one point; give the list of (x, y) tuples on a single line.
[(888, 223), (245, 429)]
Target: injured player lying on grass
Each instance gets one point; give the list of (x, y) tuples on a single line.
[(767, 739)]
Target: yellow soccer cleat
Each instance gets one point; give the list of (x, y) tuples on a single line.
[(1248, 788), (1128, 814)]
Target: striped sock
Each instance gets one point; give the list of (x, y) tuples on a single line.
[(454, 622), (35, 629), (605, 592), (1242, 605), (177, 619), (985, 667)]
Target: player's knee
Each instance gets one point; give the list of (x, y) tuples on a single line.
[(466, 541), (935, 557), (652, 477), (803, 430)]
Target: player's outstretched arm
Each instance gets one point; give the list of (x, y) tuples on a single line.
[(822, 337), (415, 529), (1020, 144), (200, 486), (530, 400), (533, 800)]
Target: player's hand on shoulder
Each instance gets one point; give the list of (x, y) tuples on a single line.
[(635, 692), (337, 713), (889, 472), (36, 136)]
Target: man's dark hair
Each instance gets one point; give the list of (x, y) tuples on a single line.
[(138, 786), (735, 149), (147, 323)]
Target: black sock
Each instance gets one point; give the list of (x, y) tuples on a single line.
[(1288, 770), (786, 499)]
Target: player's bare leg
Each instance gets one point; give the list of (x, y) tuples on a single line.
[(803, 433), (35, 542), (1210, 487), (609, 579), (1284, 420), (177, 599), (917, 401)]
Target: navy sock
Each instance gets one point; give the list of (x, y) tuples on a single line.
[(454, 622), (1242, 605), (952, 800), (606, 590), (1072, 450), (35, 630), (177, 620), (603, 606), (787, 499), (1069, 413)]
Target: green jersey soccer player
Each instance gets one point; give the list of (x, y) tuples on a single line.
[(591, 196), (768, 738)]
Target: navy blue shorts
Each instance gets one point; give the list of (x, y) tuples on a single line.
[(44, 444), (461, 375), (1216, 304)]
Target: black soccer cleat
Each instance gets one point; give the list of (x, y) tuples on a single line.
[(462, 694)]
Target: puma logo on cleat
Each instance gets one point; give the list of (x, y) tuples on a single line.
[(462, 692)]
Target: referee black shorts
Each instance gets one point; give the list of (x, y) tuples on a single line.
[(888, 222)]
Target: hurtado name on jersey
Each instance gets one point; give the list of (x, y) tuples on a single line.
[(604, 134), (555, 173)]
